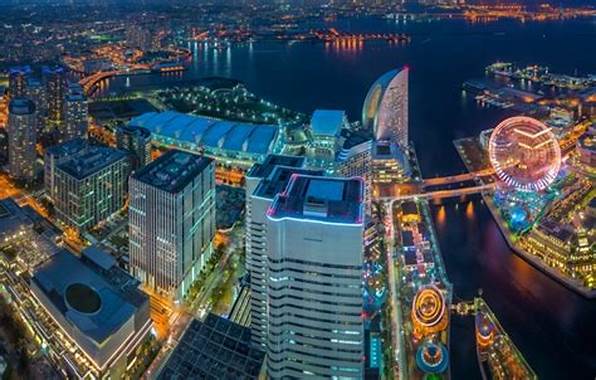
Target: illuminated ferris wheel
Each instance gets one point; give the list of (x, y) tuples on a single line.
[(524, 153)]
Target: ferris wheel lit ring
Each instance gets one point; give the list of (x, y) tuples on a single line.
[(524, 153)]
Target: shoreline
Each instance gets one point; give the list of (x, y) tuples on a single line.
[(535, 261)]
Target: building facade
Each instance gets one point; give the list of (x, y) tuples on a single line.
[(22, 136), (76, 114), (263, 182), (385, 109), (137, 142), (315, 258), (53, 156), (17, 80), (171, 221), (89, 186), (54, 79)]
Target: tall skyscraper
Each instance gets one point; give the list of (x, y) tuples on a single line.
[(315, 247), (385, 109), (137, 142), (36, 92), (22, 136), (89, 185), (76, 114), (54, 79), (17, 80), (263, 182), (171, 221)]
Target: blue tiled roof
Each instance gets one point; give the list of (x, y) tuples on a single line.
[(203, 131)]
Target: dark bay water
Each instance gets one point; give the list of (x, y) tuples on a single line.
[(553, 327)]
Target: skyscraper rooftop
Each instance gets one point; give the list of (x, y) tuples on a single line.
[(327, 122), (173, 171), (337, 200), (278, 180), (90, 160), (263, 170), (21, 106)]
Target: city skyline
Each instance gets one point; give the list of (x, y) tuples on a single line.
[(297, 189)]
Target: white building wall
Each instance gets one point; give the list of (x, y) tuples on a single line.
[(315, 326)]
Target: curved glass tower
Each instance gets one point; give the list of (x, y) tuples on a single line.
[(385, 109)]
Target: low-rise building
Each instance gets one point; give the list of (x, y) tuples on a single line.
[(98, 307), (216, 348), (237, 143)]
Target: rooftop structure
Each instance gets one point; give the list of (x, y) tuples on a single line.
[(173, 171), (214, 349), (90, 160), (218, 138), (21, 106), (327, 122), (98, 305), (277, 181), (273, 160), (12, 218), (324, 199), (23, 229), (326, 126)]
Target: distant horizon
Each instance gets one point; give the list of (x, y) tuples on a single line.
[(310, 3)]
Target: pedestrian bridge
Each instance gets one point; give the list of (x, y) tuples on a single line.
[(440, 194)]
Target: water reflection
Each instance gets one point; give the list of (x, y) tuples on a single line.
[(470, 211)]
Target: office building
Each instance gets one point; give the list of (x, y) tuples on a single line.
[(315, 230), (22, 136), (76, 114), (102, 316), (385, 109), (171, 221), (88, 186), (263, 182), (137, 142), (54, 79)]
